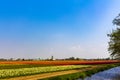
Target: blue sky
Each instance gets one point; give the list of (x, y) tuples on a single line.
[(62, 28)]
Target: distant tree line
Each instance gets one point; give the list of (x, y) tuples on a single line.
[(50, 59), (19, 59)]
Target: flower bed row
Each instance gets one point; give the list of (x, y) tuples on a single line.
[(7, 73)]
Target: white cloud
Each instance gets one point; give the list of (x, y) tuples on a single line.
[(76, 48)]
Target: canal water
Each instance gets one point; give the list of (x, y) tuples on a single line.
[(111, 74)]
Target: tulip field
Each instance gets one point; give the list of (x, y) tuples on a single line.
[(9, 69), (7, 73), (67, 62)]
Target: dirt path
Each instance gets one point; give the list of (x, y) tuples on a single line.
[(47, 75)]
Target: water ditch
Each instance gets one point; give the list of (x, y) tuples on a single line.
[(111, 74)]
